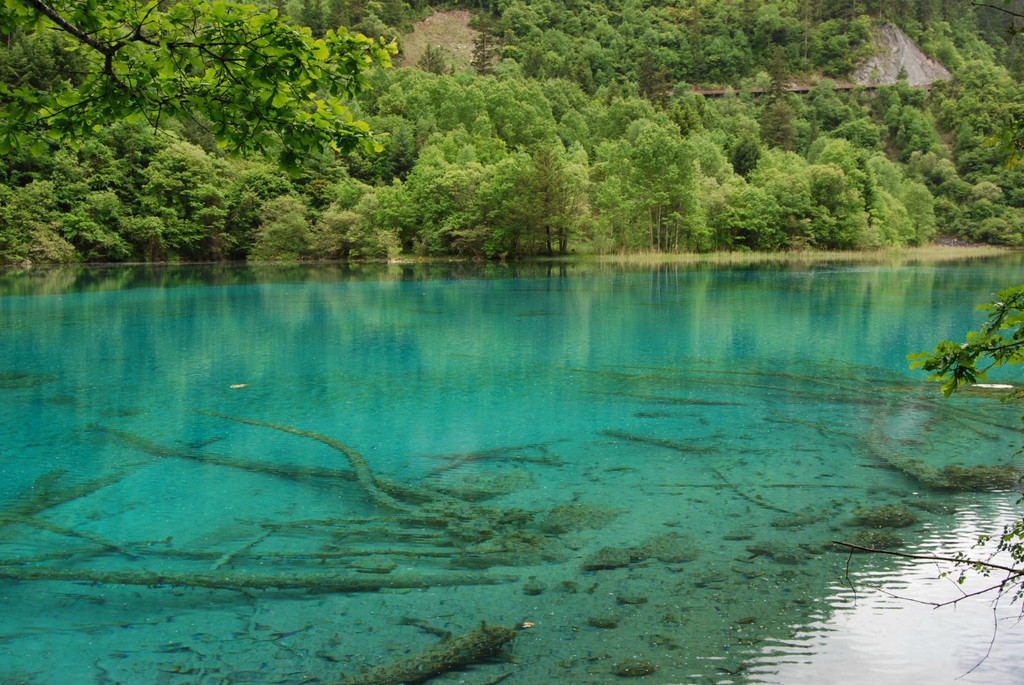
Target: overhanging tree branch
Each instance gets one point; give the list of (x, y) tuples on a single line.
[(254, 75), (1017, 572), (999, 9), (71, 29)]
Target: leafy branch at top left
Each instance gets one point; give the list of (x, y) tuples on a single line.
[(253, 79)]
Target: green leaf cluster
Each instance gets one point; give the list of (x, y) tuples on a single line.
[(998, 342), (250, 78)]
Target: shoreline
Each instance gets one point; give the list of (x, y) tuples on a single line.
[(926, 253)]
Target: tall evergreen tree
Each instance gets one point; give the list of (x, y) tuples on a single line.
[(652, 81), (433, 60), (777, 127), (485, 49)]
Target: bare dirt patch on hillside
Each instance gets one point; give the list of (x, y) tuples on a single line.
[(447, 30)]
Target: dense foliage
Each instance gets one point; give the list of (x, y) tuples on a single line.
[(575, 128), (250, 76)]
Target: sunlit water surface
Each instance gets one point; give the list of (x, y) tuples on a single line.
[(291, 475)]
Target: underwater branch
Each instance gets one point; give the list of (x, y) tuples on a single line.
[(325, 583)]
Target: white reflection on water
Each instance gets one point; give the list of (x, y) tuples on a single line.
[(884, 631)]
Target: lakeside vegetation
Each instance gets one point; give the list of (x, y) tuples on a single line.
[(56, 279), (926, 254), (573, 130)]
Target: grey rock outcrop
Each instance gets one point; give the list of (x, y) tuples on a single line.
[(896, 51)]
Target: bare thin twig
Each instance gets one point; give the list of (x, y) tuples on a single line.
[(1016, 572), (999, 9)]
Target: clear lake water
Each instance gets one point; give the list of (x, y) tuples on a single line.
[(239, 474)]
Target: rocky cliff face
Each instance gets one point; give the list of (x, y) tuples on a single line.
[(896, 51)]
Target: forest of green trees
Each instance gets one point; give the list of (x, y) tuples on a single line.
[(574, 130)]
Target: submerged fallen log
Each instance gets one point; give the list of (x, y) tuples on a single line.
[(948, 478), (473, 647), (321, 583), (433, 522), (684, 447), (512, 453), (384, 492), (293, 472), (47, 493), (287, 471), (364, 475)]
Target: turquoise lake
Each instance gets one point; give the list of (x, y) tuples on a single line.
[(228, 474)]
